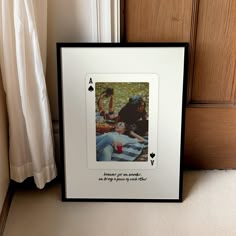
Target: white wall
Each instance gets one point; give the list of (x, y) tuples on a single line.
[(4, 167), (75, 21), (68, 21)]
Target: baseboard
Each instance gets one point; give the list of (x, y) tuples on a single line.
[(6, 207), (11, 188)]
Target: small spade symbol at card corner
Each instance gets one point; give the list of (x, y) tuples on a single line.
[(152, 155), (90, 89)]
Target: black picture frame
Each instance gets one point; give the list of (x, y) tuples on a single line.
[(72, 184)]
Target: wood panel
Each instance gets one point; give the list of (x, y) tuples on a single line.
[(210, 138), (214, 69), (210, 27), (158, 20)]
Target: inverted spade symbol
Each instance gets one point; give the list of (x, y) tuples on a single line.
[(152, 155), (90, 89)]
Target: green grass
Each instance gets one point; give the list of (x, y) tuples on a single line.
[(122, 93)]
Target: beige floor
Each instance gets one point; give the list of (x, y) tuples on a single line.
[(209, 208)]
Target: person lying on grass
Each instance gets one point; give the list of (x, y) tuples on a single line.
[(108, 142)]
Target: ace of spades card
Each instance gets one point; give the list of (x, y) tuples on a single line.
[(122, 111)]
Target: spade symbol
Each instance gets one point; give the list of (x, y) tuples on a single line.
[(90, 89), (152, 155)]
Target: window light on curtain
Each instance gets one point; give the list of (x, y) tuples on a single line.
[(22, 58)]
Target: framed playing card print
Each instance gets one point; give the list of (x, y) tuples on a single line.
[(122, 120)]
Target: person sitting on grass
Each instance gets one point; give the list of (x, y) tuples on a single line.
[(134, 115), (108, 93)]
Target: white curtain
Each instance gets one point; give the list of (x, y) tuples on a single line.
[(22, 59)]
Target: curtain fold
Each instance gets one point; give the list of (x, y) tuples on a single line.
[(31, 150)]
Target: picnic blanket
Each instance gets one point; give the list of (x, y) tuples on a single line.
[(129, 151)]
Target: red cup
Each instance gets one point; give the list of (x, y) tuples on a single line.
[(119, 148)]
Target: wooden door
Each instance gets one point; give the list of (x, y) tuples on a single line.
[(210, 28)]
